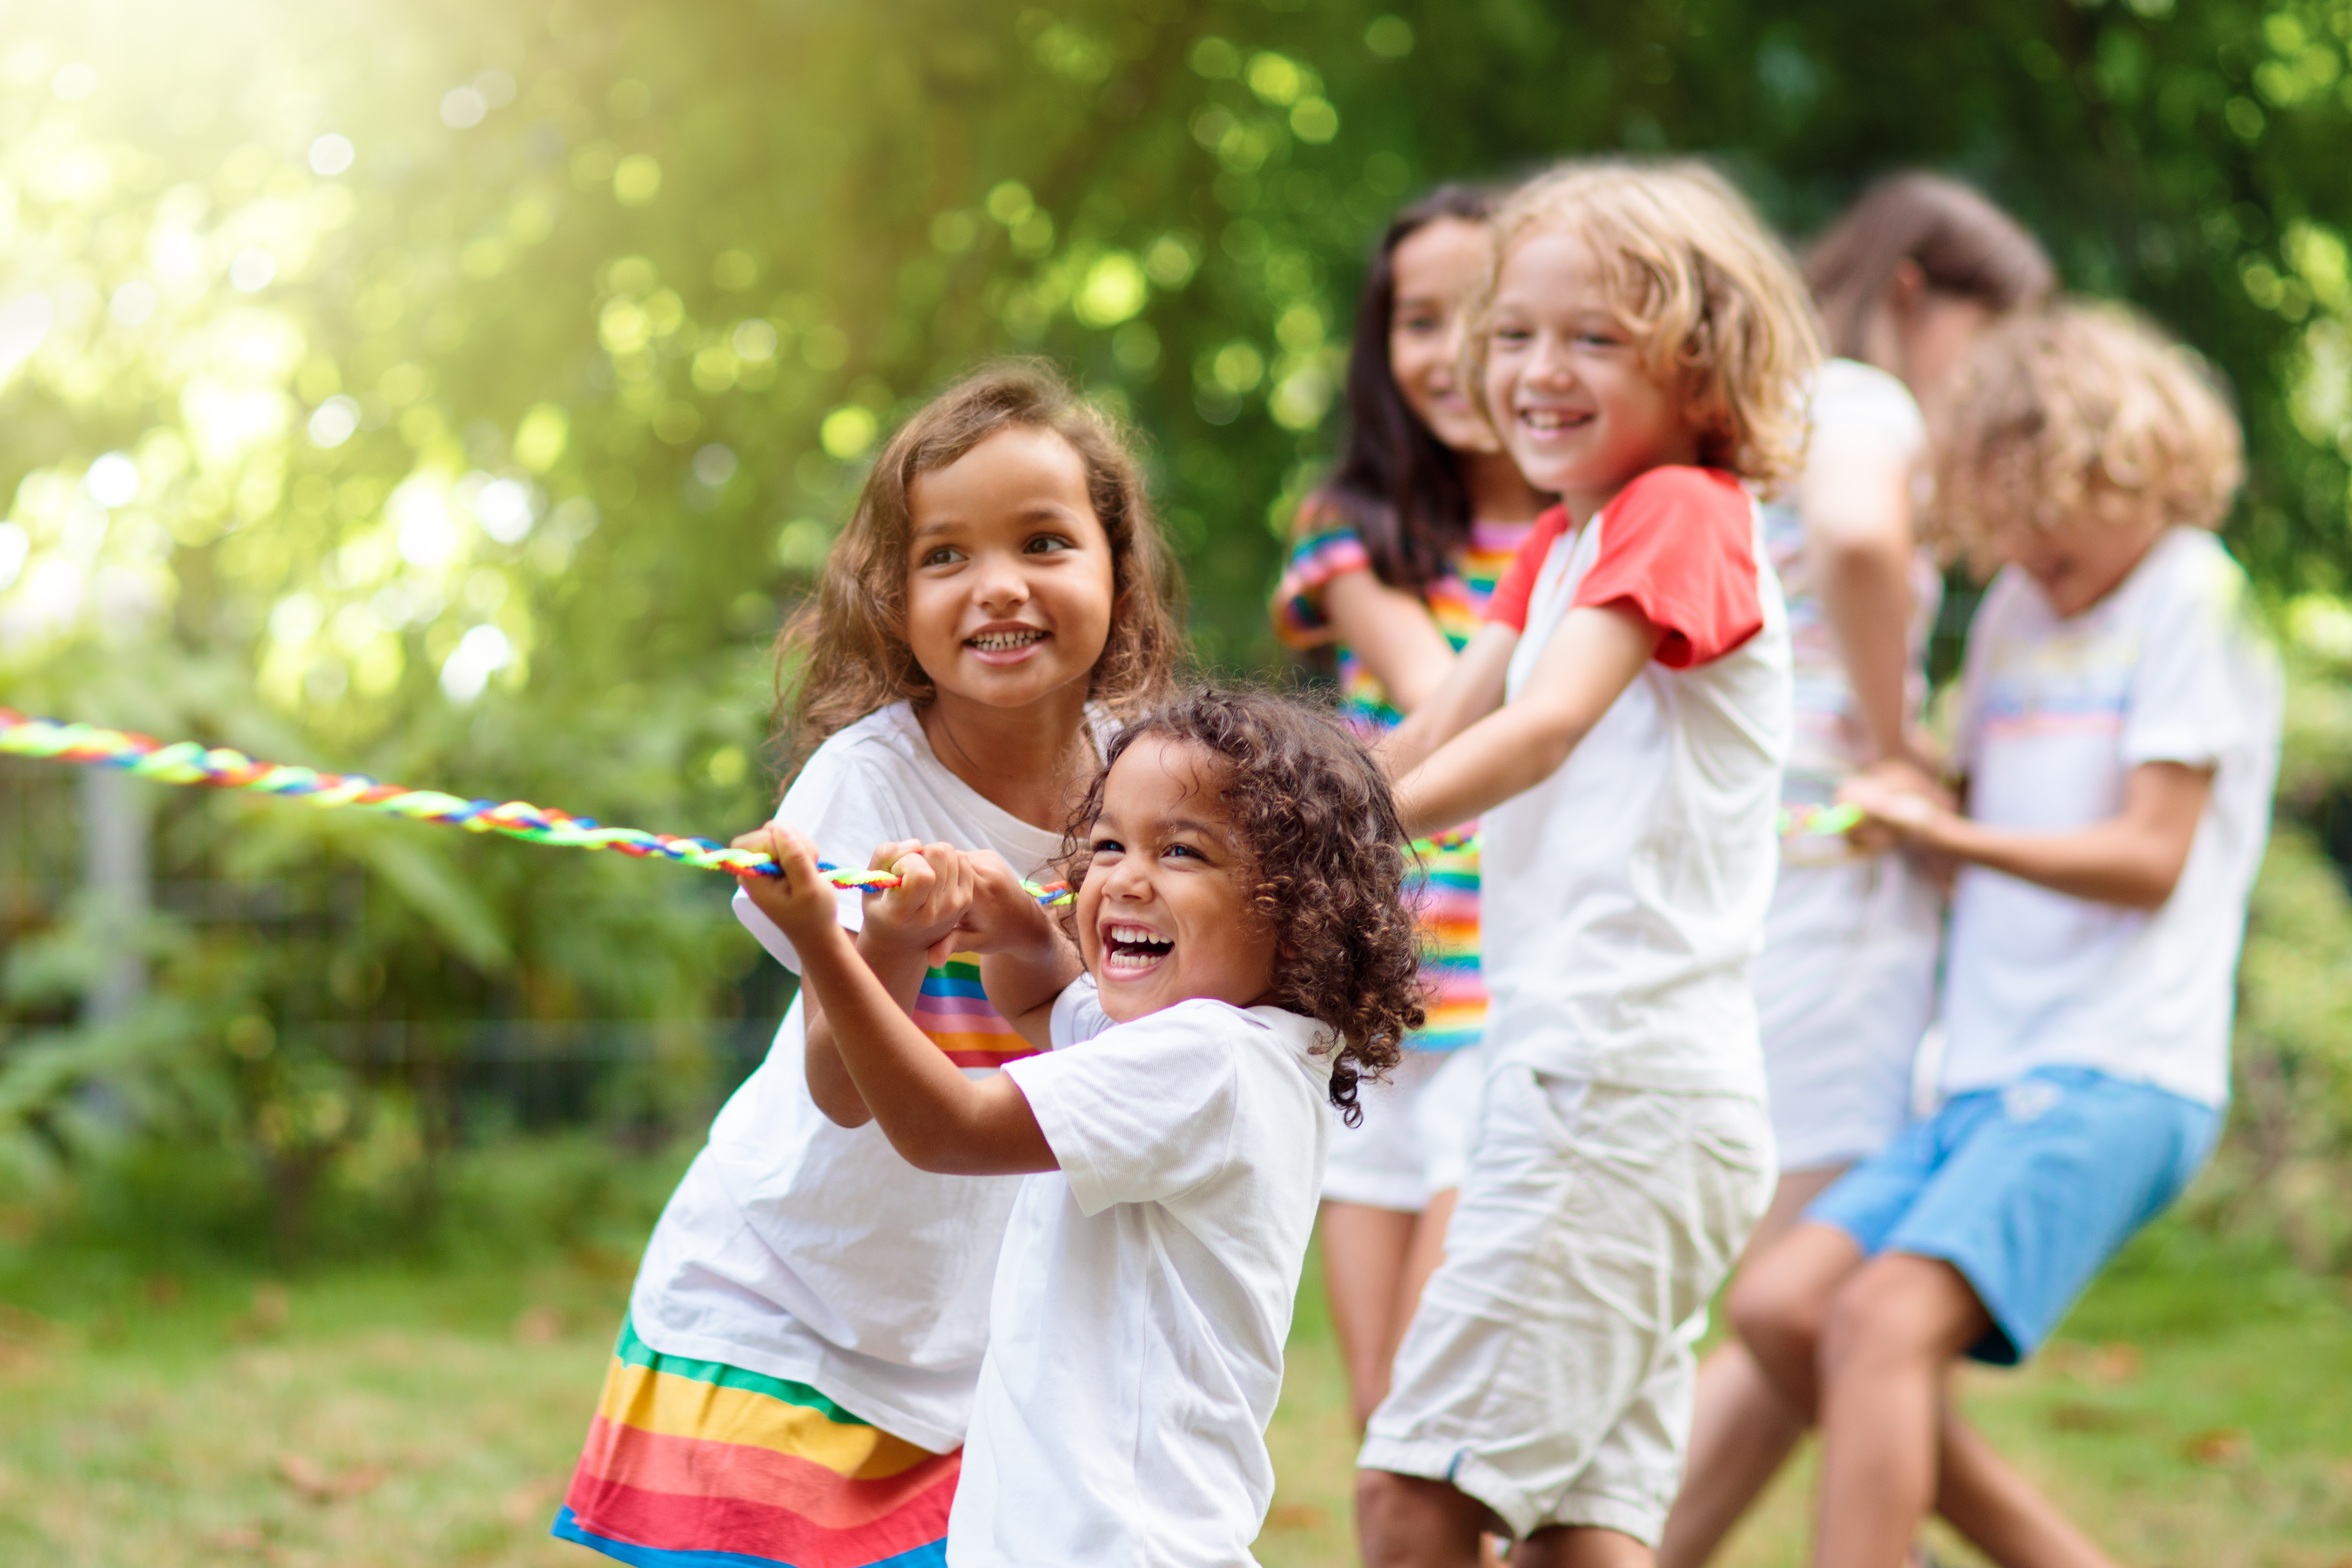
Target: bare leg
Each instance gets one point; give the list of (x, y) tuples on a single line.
[(1366, 1251), (1998, 1509), (1742, 1430), (1782, 1300), (1892, 1333), (1581, 1546), (1423, 1254), (1406, 1521)]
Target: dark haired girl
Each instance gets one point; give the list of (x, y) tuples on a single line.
[(1395, 557)]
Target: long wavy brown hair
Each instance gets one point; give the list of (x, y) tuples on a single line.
[(844, 652), (1313, 813)]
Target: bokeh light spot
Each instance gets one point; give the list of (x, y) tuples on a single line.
[(481, 653), (848, 432), (334, 421), (331, 153), (1010, 201), (1114, 291), (112, 480), (74, 81), (715, 465), (463, 107), (1391, 37), (132, 304), (636, 179), (251, 271)]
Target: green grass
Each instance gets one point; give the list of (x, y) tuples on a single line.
[(195, 1411)]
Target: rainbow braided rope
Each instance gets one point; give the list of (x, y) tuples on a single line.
[(186, 763)]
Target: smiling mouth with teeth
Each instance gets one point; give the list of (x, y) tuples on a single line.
[(1003, 642), (1130, 950)]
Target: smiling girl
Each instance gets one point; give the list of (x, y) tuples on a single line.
[(1248, 963), (1396, 555), (1620, 722), (797, 1368)]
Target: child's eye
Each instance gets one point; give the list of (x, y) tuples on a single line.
[(942, 556), (1047, 543), (1185, 850), (1102, 846)]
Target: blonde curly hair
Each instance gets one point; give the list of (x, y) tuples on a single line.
[(2082, 407), (1713, 300)]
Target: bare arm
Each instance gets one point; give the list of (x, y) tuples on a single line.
[(1472, 689), (934, 1116), (2133, 858), (1856, 504), (1390, 630), (1590, 659), (901, 928)]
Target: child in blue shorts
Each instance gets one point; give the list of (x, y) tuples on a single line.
[(2120, 741)]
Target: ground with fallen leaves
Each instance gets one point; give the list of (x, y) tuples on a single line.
[(2195, 1414)]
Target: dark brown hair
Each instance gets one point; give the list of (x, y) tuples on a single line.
[(1962, 244), (1313, 813), (844, 654), (1397, 484)]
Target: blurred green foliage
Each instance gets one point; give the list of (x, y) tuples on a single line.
[(461, 392)]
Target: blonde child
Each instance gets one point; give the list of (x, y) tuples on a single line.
[(2119, 740), (1396, 555), (1621, 724), (798, 1364), (1908, 281), (1246, 964)]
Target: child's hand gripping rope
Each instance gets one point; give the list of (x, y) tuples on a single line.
[(218, 767)]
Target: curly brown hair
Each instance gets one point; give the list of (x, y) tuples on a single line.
[(844, 654), (2082, 407), (1312, 811)]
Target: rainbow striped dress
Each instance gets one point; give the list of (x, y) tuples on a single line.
[(1447, 880), (697, 1464)]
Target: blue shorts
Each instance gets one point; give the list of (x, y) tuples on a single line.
[(2027, 1190)]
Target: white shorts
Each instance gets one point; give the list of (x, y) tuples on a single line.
[(1415, 1135), (1844, 988), (1548, 1373)]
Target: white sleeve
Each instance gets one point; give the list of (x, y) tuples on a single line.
[(1078, 1014), (1852, 400), (845, 805), (1145, 1111), (2198, 692)]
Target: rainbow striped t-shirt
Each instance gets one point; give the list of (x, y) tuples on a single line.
[(1447, 882)]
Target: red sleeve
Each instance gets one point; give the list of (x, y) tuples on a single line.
[(1508, 605), (1679, 546)]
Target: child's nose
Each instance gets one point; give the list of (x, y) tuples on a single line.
[(1001, 584)]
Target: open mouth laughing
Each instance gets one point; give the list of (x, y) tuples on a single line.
[(1131, 951)]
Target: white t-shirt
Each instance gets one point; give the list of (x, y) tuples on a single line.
[(2169, 668), (1851, 403), (1146, 1290), (810, 1251), (1624, 894)]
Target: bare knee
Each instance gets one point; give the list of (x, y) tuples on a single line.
[(1408, 1522), (1898, 1310)]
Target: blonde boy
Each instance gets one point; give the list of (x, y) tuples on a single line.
[(1621, 724), (2119, 739)]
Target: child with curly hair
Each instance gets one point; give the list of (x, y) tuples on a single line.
[(2118, 738), (1246, 963), (1620, 725)]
